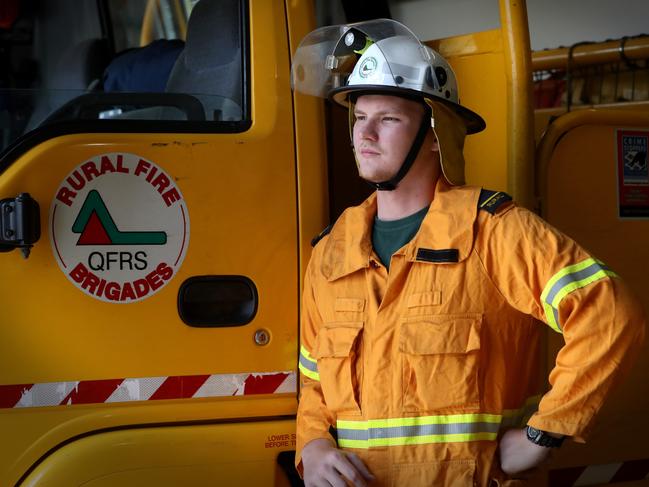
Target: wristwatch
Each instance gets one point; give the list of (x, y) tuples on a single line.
[(542, 438)]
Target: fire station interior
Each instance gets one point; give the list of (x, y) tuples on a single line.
[(69, 60)]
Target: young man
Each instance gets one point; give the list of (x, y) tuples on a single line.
[(419, 340)]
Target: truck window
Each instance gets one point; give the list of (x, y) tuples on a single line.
[(118, 61)]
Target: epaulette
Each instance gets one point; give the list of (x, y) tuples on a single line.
[(320, 236), (490, 201)]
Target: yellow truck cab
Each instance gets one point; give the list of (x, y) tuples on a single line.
[(160, 185), (153, 242)]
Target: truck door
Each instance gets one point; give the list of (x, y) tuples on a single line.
[(150, 336)]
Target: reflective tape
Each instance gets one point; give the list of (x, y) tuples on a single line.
[(517, 418), (417, 430), (568, 280), (308, 365), (145, 389), (420, 430)]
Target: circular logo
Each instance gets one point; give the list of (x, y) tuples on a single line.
[(119, 227), (367, 67)]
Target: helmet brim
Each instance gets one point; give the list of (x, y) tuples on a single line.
[(474, 123)]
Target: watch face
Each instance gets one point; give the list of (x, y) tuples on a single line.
[(533, 433), (541, 438)]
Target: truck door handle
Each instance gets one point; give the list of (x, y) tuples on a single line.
[(217, 301)]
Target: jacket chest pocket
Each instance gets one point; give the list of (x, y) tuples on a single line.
[(337, 350), (440, 363)]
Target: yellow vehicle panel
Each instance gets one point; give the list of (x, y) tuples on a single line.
[(240, 193), (216, 454), (578, 187)]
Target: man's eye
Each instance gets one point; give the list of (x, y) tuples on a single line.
[(360, 117), (390, 119)]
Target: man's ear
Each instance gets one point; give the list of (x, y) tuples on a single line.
[(435, 146)]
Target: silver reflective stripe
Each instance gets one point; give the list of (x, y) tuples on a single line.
[(574, 277), (418, 430), (307, 364), (566, 281)]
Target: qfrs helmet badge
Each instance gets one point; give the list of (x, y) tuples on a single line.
[(367, 67), (119, 227)]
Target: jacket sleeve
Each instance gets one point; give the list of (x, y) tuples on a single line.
[(313, 417), (544, 273)]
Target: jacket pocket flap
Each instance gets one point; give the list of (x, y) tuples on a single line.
[(349, 304), (431, 298), (336, 339), (441, 335)]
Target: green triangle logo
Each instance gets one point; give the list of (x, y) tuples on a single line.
[(97, 227)]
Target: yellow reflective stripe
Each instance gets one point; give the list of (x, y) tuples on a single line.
[(309, 373), (308, 365), (305, 353), (563, 272), (519, 417), (567, 280), (417, 430), (430, 429), (549, 316), (579, 284), (419, 421), (415, 440)]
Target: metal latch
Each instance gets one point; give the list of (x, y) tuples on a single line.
[(20, 223)]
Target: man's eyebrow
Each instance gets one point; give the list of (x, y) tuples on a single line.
[(382, 112)]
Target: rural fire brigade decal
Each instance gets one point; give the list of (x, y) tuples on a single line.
[(119, 227)]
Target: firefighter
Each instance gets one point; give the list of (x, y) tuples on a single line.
[(420, 334)]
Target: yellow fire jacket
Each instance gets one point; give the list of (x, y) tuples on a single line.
[(420, 371)]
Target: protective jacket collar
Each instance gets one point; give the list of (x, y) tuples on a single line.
[(449, 224)]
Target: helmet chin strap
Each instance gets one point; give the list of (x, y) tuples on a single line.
[(392, 183)]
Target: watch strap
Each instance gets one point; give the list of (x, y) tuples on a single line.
[(542, 438)]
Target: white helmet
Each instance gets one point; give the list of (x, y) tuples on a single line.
[(385, 57)]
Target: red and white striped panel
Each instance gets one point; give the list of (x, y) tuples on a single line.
[(145, 389), (610, 473)]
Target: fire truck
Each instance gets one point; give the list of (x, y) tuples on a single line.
[(160, 184)]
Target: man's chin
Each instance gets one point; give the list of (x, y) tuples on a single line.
[(374, 178)]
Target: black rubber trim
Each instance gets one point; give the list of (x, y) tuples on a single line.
[(89, 105), (184, 308), (47, 132)]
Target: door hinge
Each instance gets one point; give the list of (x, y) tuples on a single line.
[(20, 223)]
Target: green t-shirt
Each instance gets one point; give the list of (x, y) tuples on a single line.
[(390, 236)]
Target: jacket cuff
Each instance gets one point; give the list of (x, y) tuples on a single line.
[(576, 432)]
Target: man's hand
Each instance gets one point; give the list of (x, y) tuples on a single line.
[(325, 465), (518, 454)]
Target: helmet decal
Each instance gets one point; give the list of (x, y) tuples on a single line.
[(367, 67)]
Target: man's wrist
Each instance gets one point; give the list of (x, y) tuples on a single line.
[(543, 438)]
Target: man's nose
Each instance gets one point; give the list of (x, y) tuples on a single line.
[(367, 131)]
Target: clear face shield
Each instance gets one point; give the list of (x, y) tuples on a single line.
[(384, 57), (326, 58)]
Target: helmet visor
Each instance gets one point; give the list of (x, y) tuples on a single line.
[(325, 59)]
